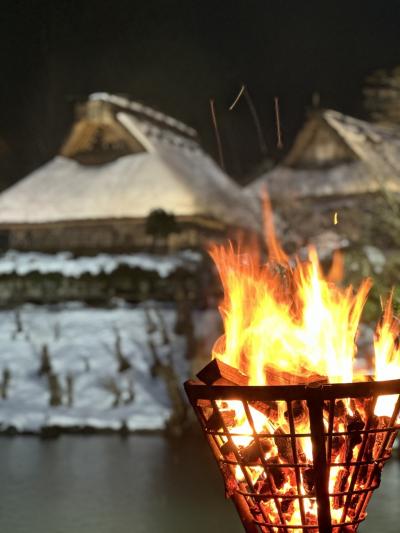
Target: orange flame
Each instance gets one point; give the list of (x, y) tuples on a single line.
[(292, 319), (387, 355)]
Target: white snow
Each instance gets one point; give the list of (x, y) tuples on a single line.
[(81, 343), (22, 263)]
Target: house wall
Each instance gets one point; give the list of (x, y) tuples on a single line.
[(108, 236)]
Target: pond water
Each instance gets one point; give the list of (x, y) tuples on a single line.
[(141, 484)]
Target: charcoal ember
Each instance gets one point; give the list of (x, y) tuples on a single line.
[(369, 449), (287, 504), (283, 444), (227, 448), (219, 418), (251, 453), (354, 424), (337, 445), (383, 423), (231, 485), (311, 519), (353, 505), (340, 486), (340, 409), (309, 480), (263, 487), (267, 408), (299, 411), (377, 474), (360, 404), (278, 473)]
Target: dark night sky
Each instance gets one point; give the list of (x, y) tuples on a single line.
[(175, 55)]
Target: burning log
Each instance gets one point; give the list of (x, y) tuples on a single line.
[(231, 484), (303, 376), (227, 449), (278, 473), (268, 408), (219, 373), (284, 445), (369, 449), (251, 453), (337, 445), (340, 410), (220, 417), (300, 413), (287, 504), (383, 423), (309, 480), (354, 424), (340, 486)]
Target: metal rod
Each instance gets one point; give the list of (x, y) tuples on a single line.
[(315, 408), (217, 134), (365, 500), (360, 456), (362, 389), (244, 513), (295, 459)]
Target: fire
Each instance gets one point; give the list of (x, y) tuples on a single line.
[(387, 355), (290, 318), (287, 323)]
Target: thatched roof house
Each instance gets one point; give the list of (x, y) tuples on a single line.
[(335, 154), (121, 161), (338, 164)]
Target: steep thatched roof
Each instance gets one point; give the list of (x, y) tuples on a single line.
[(337, 155), (155, 162)]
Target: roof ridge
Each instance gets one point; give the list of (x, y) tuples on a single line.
[(137, 107)]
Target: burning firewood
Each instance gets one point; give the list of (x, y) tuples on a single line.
[(309, 480), (340, 409), (278, 473), (219, 373), (287, 504), (284, 445), (267, 408), (369, 450), (220, 417), (303, 376), (340, 485), (337, 445), (299, 411), (383, 422), (251, 453), (354, 425), (231, 484)]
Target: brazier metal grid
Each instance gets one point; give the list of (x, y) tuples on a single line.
[(261, 506)]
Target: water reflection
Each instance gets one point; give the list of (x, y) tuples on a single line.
[(143, 484)]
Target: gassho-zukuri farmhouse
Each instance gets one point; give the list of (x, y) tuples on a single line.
[(120, 162)]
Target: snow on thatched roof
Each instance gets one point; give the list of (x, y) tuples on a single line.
[(172, 172), (365, 159)]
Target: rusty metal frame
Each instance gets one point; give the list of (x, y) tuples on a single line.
[(317, 399)]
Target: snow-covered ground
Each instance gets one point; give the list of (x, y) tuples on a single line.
[(22, 263), (81, 343)]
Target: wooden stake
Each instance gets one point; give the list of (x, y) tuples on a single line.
[(253, 111), (279, 143), (217, 135)]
